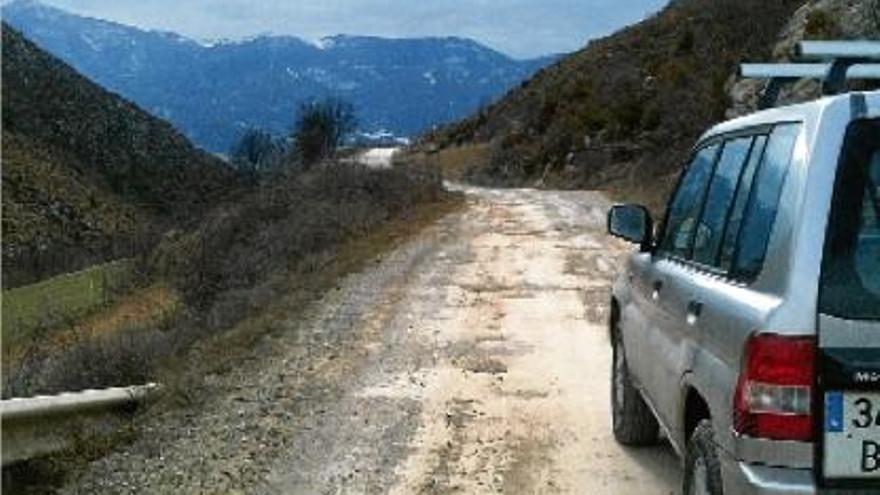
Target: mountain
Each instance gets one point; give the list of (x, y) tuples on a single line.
[(86, 174), (212, 93), (622, 113)]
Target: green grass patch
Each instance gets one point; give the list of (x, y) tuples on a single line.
[(62, 299)]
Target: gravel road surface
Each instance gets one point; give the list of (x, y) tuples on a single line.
[(472, 359)]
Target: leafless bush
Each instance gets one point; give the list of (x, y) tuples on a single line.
[(32, 263), (294, 223), (125, 357), (507, 166), (257, 153), (291, 217), (320, 128), (874, 13)]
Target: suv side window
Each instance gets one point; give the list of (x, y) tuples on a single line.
[(763, 203), (710, 230), (681, 219), (735, 218)]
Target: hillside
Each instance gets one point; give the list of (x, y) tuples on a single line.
[(816, 19), (211, 93), (623, 112), (86, 174)]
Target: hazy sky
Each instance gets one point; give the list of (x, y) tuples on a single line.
[(522, 28)]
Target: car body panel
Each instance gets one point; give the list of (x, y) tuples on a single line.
[(673, 352)]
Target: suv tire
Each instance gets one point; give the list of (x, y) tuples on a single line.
[(632, 420), (702, 475)]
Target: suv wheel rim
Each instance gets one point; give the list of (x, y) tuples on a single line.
[(699, 485)]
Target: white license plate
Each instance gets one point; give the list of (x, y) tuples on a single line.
[(852, 435)]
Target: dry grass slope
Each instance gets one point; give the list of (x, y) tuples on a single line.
[(87, 176), (239, 260), (54, 208), (59, 300)]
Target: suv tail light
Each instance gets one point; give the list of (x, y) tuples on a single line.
[(774, 394)]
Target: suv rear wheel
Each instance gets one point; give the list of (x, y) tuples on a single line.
[(702, 475), (633, 421)]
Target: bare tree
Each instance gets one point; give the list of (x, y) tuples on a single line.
[(321, 128), (256, 152)]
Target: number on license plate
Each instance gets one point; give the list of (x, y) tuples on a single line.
[(852, 435)]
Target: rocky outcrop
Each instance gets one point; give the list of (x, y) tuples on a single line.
[(816, 20)]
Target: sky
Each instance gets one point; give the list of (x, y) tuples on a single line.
[(520, 28)]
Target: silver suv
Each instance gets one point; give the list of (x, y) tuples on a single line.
[(747, 329)]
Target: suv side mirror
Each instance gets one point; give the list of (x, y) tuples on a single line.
[(632, 223)]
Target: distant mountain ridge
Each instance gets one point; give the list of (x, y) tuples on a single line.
[(213, 92)]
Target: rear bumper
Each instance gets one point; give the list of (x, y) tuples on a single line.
[(741, 478)]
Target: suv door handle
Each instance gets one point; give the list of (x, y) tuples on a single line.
[(656, 287)]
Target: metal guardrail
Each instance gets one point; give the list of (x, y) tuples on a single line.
[(38, 425)]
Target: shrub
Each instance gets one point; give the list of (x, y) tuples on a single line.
[(627, 113), (294, 223), (821, 25), (685, 43), (874, 14), (256, 153), (128, 356), (321, 127), (291, 216)]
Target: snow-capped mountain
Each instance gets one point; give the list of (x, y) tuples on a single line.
[(213, 91)]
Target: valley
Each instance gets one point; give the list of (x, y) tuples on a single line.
[(360, 265)]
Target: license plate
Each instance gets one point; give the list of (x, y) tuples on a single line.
[(852, 435)]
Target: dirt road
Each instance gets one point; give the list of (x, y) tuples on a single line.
[(473, 359)]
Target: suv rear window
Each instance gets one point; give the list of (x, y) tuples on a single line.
[(850, 284)]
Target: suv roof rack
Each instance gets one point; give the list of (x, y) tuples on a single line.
[(832, 62)]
